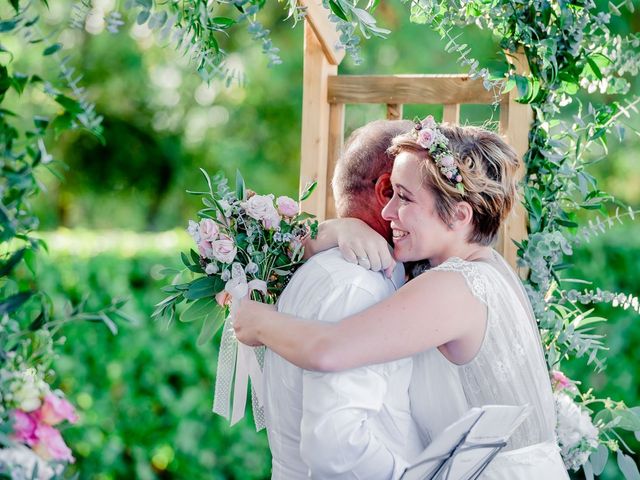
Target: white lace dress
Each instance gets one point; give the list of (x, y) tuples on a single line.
[(509, 369)]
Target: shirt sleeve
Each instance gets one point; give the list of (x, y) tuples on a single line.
[(338, 439)]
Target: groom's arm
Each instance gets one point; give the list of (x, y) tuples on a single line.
[(338, 439)]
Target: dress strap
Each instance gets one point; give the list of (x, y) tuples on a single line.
[(470, 271)]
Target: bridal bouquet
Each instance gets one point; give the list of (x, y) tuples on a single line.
[(245, 244)]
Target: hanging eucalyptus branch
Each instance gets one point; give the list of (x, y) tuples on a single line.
[(572, 54)]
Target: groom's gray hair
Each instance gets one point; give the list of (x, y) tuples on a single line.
[(363, 160)]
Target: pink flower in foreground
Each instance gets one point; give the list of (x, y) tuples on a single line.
[(224, 249), (51, 445), (24, 427), (56, 409), (287, 207), (559, 381)]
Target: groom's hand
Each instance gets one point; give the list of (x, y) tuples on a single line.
[(361, 244)]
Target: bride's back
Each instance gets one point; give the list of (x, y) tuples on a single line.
[(508, 369)]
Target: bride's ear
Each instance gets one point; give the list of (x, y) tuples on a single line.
[(383, 190), (463, 215)]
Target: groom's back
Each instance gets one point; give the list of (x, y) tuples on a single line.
[(320, 289)]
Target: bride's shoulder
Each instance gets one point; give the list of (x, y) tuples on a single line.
[(456, 272)]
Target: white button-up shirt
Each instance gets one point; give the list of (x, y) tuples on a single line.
[(354, 424)]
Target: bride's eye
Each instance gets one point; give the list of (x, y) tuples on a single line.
[(402, 198)]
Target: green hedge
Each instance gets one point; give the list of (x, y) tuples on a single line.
[(145, 394)]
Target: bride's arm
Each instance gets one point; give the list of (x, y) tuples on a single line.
[(356, 241), (432, 310)]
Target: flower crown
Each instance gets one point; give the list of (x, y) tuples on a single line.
[(428, 136)]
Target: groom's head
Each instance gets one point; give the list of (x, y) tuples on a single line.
[(361, 181)]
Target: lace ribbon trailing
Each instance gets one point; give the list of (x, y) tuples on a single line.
[(239, 363)]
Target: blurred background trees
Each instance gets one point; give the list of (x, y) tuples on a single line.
[(145, 395)]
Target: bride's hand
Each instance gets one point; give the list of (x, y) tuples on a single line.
[(247, 318), (361, 244)]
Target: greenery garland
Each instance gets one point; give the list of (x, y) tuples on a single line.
[(572, 54)]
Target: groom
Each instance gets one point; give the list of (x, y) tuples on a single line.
[(354, 424)]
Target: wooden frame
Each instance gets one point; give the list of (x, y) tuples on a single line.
[(325, 95)]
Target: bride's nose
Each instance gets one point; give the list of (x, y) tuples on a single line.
[(389, 212)]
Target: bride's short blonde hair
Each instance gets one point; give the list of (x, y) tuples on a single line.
[(489, 169)]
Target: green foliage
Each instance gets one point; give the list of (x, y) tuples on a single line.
[(144, 395)]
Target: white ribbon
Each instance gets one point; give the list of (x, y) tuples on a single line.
[(237, 363)]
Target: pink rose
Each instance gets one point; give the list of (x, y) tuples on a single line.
[(208, 230), (287, 207), (205, 249), (459, 178), (224, 249), (56, 409), (223, 298), (24, 427), (51, 445), (260, 207), (272, 222), (447, 161), (426, 136)]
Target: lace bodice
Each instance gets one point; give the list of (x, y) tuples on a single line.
[(508, 369)]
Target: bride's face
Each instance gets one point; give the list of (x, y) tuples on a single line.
[(418, 231)]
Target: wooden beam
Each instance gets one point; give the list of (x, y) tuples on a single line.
[(515, 123), (336, 141), (394, 111), (407, 89), (451, 113), (318, 17), (315, 122)]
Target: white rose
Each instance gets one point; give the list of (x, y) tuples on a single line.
[(260, 207), (224, 249)]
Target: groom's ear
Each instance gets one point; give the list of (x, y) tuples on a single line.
[(383, 189)]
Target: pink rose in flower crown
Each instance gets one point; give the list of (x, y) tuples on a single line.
[(287, 206), (24, 427), (224, 249), (429, 122), (208, 230), (260, 207), (447, 161), (426, 137), (56, 409), (51, 445)]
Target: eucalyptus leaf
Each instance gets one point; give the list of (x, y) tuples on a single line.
[(210, 326), (198, 310), (628, 466), (599, 458)]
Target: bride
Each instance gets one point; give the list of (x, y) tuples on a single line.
[(452, 188)]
